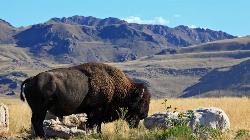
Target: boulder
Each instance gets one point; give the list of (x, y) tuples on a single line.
[(205, 117), (159, 120), (4, 118), (66, 127), (211, 117)]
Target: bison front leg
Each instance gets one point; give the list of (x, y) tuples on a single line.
[(37, 123), (99, 128), (133, 122)]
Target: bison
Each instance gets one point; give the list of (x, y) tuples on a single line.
[(97, 89)]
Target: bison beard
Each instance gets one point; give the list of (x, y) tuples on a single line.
[(99, 90)]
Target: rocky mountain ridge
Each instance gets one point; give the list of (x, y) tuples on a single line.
[(83, 39)]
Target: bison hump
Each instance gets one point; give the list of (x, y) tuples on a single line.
[(106, 82)]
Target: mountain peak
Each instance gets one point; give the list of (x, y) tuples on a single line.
[(183, 27), (6, 32), (3, 22)]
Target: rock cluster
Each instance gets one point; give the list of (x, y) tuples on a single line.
[(4, 118), (66, 127)]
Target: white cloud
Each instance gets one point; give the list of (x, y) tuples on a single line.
[(192, 26), (156, 20), (160, 20), (133, 19)]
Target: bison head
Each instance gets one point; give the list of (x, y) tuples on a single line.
[(138, 105)]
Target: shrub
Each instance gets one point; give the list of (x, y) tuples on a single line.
[(205, 133), (242, 133), (179, 132)]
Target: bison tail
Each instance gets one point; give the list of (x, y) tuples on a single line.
[(23, 83)]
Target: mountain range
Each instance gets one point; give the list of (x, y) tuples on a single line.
[(82, 39)]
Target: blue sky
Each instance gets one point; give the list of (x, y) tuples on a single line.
[(227, 15)]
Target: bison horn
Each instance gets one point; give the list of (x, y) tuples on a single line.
[(141, 94)]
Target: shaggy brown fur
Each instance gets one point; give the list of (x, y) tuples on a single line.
[(106, 80)]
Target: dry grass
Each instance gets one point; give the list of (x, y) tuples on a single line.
[(237, 109), (20, 115)]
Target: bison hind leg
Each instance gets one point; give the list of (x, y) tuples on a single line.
[(93, 126), (37, 123)]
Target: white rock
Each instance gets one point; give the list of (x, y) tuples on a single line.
[(206, 117), (211, 117), (66, 127), (4, 118)]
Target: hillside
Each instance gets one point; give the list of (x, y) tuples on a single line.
[(6, 32), (242, 43), (188, 72), (234, 78)]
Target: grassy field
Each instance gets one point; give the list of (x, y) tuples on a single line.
[(238, 110)]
